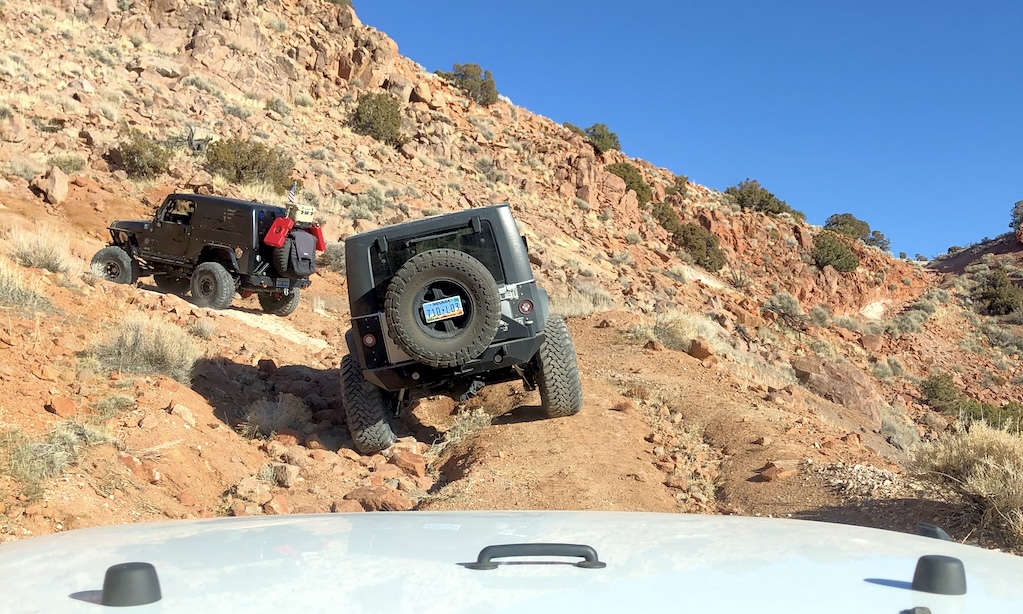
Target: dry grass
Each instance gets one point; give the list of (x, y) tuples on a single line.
[(466, 425), (985, 465), (145, 345), (202, 329), (677, 329), (31, 462), (16, 291), (43, 249), (584, 299), (265, 417)]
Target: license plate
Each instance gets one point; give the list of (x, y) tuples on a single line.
[(283, 283), (443, 309)]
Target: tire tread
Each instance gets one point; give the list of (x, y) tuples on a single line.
[(561, 392), (365, 412)]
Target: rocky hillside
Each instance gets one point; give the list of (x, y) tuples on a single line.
[(812, 363)]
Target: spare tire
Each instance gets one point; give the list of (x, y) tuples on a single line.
[(280, 256), (442, 308)]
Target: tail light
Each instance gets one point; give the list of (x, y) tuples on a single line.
[(526, 307), (369, 340)]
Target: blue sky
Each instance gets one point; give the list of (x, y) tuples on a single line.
[(907, 114)]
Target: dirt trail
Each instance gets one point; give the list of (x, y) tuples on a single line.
[(617, 453)]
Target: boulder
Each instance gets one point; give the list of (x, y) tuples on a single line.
[(380, 499), (53, 184), (841, 383)]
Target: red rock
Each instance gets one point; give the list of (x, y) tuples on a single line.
[(872, 343), (45, 372), (700, 349), (53, 185), (278, 505), (410, 463), (184, 413), (62, 406), (288, 437), (654, 345), (187, 499), (779, 470), (380, 499), (343, 506)]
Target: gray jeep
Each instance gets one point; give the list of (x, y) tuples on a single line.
[(447, 305), (214, 247)]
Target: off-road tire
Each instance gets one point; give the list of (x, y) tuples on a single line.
[(365, 409), (442, 273), (557, 374), (280, 257), (114, 264), (278, 303), (171, 284), (212, 286)]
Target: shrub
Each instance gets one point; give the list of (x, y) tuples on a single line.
[(31, 462), (998, 295), (333, 258), (237, 111), (201, 329), (583, 299), (632, 237), (749, 194), (68, 162), (572, 127), (784, 304), (247, 162), (847, 224), (15, 290), (42, 249), (1017, 216), (142, 157), (702, 245), (477, 84), (985, 465), (633, 180), (202, 83), (878, 240), (828, 249), (694, 239), (304, 100), (379, 116), (602, 138), (264, 417), (820, 316), (145, 345), (277, 105), (679, 186)]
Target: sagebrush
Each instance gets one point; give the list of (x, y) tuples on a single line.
[(141, 344)]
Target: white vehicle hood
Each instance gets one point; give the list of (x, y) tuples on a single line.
[(415, 562)]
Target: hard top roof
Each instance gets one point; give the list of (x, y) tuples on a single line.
[(233, 202)]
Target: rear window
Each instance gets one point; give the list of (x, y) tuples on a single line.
[(480, 245)]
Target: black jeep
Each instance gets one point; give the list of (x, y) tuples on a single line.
[(214, 246), (446, 305)]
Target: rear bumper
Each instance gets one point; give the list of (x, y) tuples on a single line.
[(493, 366), (262, 283)]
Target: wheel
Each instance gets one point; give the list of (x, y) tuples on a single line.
[(114, 264), (439, 339), (280, 256), (557, 374), (212, 286), (365, 409), (278, 303), (170, 283)]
